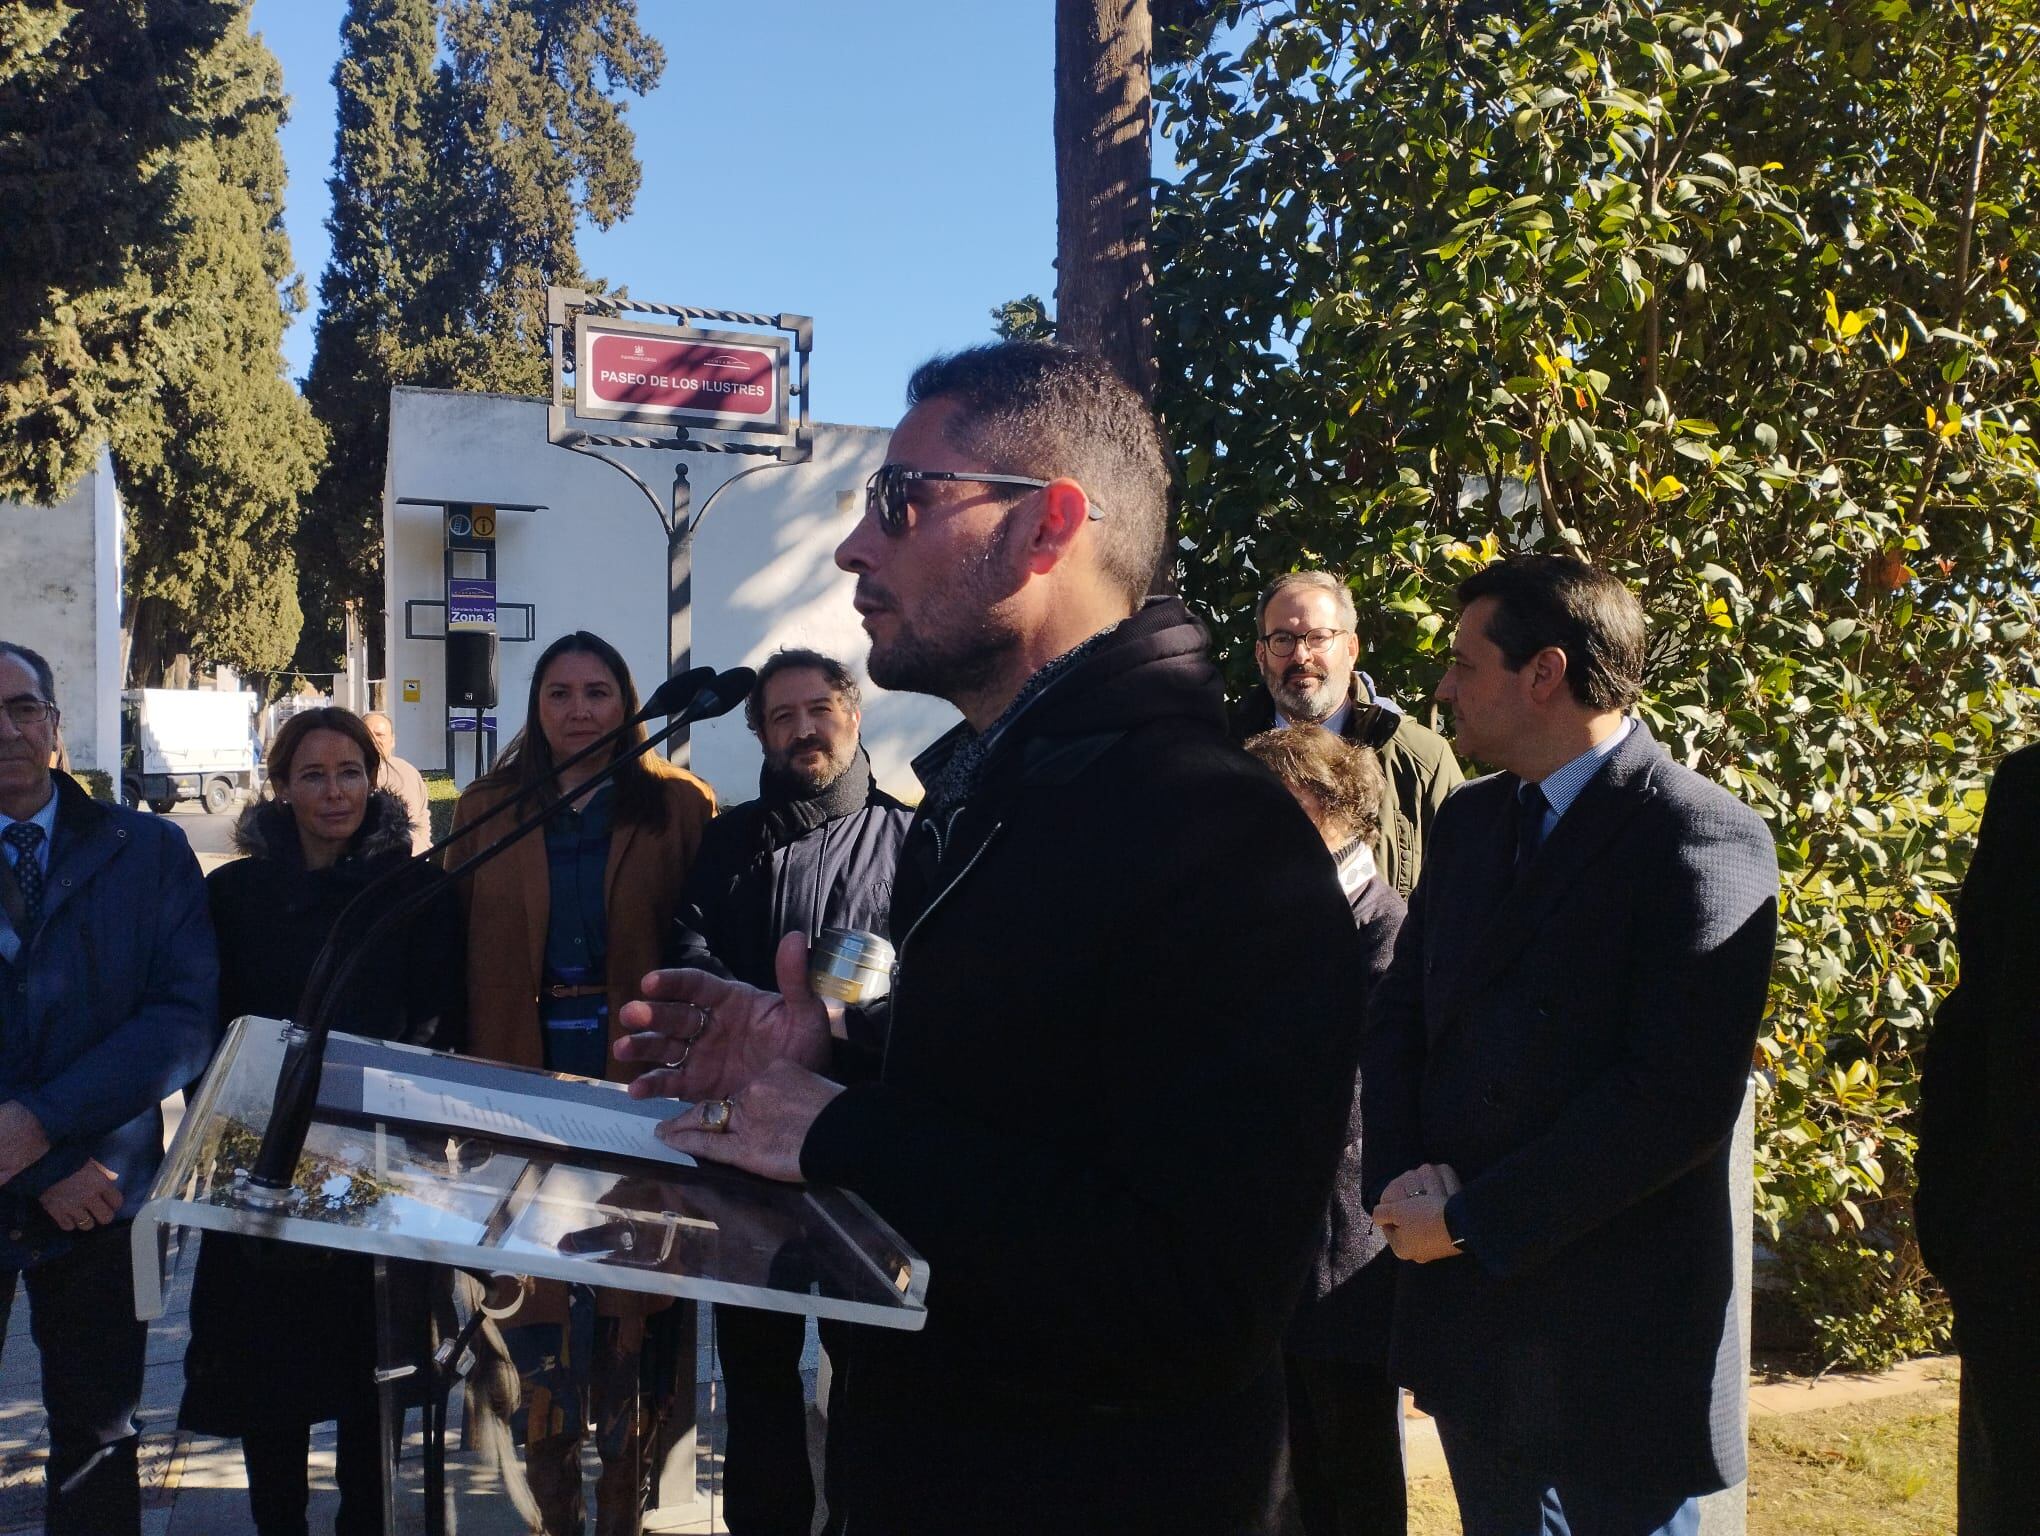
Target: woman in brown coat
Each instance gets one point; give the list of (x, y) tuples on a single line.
[(561, 929)]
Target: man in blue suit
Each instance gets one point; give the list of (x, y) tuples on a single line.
[(1554, 1065), (108, 989)]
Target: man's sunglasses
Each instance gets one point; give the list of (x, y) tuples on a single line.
[(885, 493)]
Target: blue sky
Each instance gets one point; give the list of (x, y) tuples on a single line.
[(895, 179)]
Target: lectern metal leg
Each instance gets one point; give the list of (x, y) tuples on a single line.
[(397, 1368), (670, 1353), (390, 1370)]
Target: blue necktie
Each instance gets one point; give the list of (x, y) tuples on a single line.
[(1530, 810), (25, 837)]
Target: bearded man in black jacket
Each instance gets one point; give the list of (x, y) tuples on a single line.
[(1112, 1146), (815, 850)]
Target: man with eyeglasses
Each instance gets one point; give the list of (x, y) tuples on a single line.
[(1309, 658), (815, 850), (1113, 1148), (108, 989)]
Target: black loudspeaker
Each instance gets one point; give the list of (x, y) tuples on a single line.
[(470, 669)]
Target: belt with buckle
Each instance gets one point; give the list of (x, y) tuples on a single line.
[(562, 990)]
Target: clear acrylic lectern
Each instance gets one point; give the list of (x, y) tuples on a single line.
[(503, 1171)]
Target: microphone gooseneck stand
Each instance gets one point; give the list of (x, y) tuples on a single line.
[(269, 1182), (671, 697)]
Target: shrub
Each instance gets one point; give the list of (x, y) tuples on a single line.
[(1741, 308)]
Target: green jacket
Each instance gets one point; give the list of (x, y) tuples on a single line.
[(1418, 770)]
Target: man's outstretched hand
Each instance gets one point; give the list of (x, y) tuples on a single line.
[(746, 1031)]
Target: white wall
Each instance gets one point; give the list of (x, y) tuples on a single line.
[(595, 559), (60, 595)]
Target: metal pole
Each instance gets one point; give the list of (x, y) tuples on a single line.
[(680, 596)]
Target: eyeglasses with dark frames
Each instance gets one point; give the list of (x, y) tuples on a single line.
[(1281, 642), (885, 493), (25, 709)]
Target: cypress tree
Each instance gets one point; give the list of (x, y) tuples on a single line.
[(94, 102), (369, 334), (215, 463), (455, 205), (145, 282)]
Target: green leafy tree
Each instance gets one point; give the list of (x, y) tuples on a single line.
[(385, 198), (215, 464), (1024, 319), (148, 282), (541, 141), (94, 104), (474, 137), (1737, 304)]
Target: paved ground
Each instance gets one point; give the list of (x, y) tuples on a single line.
[(211, 837), (193, 1485)]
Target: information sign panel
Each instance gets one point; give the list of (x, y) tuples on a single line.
[(470, 603), (667, 375), (470, 525)]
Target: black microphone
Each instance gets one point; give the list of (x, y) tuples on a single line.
[(671, 696), (297, 1082), (674, 694)]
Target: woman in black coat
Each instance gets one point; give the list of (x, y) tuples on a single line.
[(1345, 1415), (283, 1336)]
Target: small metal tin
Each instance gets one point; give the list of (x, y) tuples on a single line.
[(850, 965)]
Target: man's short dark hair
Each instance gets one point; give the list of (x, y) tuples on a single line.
[(1544, 601), (842, 682), (1034, 408), (45, 678)]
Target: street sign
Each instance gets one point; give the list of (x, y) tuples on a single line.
[(464, 725), (470, 525), (470, 603), (731, 381)]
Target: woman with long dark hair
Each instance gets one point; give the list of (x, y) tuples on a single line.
[(282, 1335), (561, 931)]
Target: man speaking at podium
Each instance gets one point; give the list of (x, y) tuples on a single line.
[(1112, 1140)]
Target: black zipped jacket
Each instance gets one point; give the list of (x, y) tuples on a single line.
[(1112, 1141), (749, 886)]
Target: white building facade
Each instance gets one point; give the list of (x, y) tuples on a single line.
[(60, 575), (593, 557)]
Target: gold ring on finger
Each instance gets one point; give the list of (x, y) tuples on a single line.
[(715, 1115)]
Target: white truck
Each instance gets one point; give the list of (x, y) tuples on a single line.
[(179, 743)]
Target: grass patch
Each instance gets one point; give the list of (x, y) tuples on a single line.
[(440, 793), (1884, 1468), (1876, 1469)]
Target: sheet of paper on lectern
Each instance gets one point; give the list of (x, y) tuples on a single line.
[(495, 1111)]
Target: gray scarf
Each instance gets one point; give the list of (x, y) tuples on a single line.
[(958, 777)]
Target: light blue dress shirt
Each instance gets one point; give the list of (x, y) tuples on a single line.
[(46, 818), (1562, 786)]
